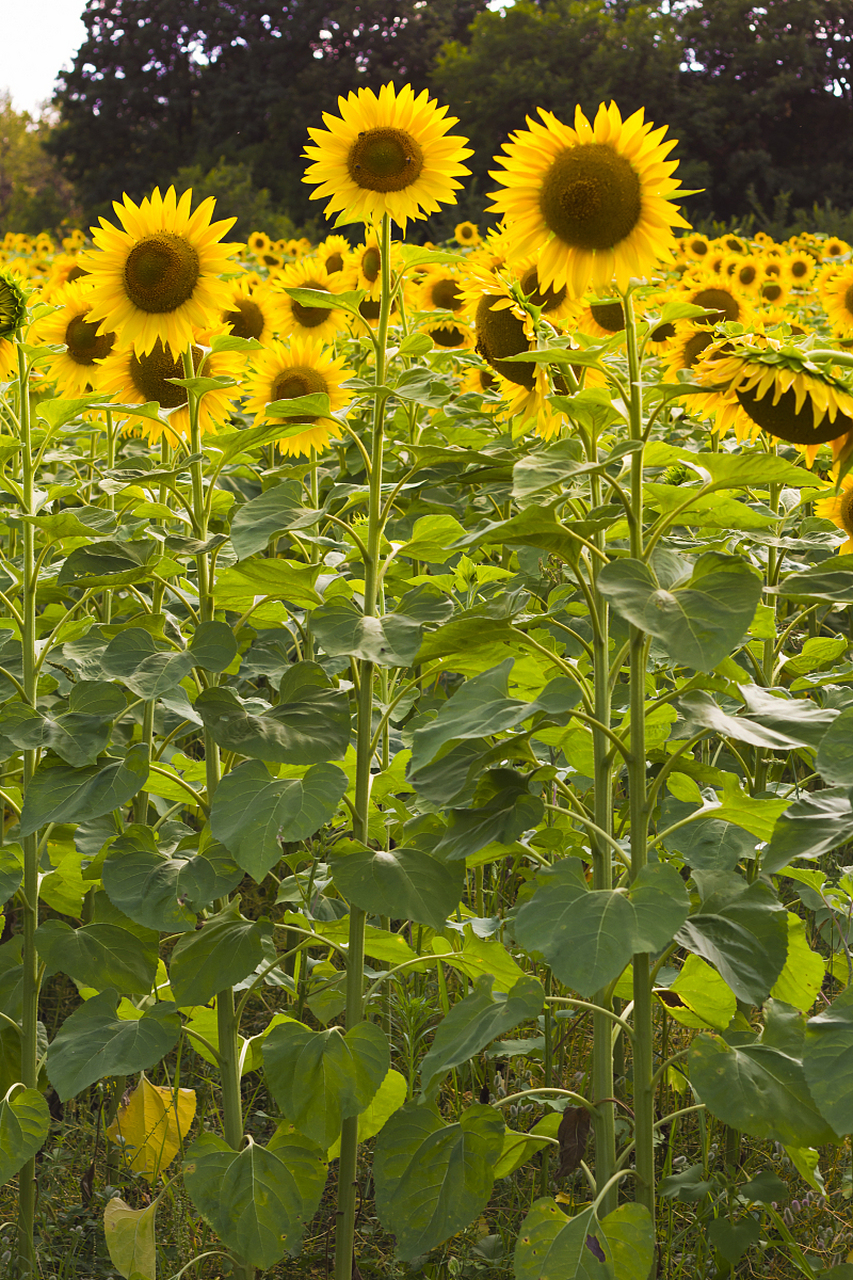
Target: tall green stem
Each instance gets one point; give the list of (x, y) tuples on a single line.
[(643, 1026), (347, 1187), (29, 904)]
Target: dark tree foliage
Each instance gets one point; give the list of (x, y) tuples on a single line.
[(162, 84)]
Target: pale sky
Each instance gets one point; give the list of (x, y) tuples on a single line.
[(40, 37)]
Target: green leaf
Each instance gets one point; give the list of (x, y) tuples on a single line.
[(11, 873), (320, 1078), (804, 971), (259, 1200), (551, 1246), (24, 1126), (473, 1023), (310, 725), (109, 564), (482, 706), (699, 623), (510, 809), (400, 883), (831, 582), (237, 587), (432, 537), (156, 891), (272, 513), (828, 1061), (252, 811), (835, 755), (389, 1097), (732, 1239), (589, 935), (776, 722), (761, 1088), (341, 629), (742, 930), (629, 1239), (94, 1042), (215, 957), (98, 955), (699, 997), (58, 793), (130, 1238), (812, 826), (432, 1179)]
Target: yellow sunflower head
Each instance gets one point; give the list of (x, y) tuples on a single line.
[(333, 252), (440, 290), (287, 372), (695, 246), (251, 311), (363, 267), (306, 319), (838, 300), (389, 153), (602, 317), (449, 336), (595, 198), (157, 278), (837, 506), (76, 369), (467, 233), (138, 378), (834, 247)]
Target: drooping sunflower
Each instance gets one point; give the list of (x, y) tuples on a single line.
[(308, 320), (837, 506), (132, 377), (301, 368), (77, 368), (158, 277), (596, 198), (13, 302), (8, 360), (389, 153), (779, 390)]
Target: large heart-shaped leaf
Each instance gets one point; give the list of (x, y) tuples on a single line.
[(59, 793), (742, 930), (210, 959), (98, 955), (24, 1126), (156, 891), (402, 883), (828, 1061), (95, 1042)]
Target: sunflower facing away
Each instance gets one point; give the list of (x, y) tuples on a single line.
[(389, 153), (159, 276), (77, 368), (596, 197), (302, 368)]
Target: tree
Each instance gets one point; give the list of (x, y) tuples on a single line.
[(162, 84), (33, 195)]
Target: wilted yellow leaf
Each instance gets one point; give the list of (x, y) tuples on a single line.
[(152, 1124), (130, 1239)]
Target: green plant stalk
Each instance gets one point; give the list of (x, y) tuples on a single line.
[(29, 905), (602, 871), (226, 1018), (637, 799), (347, 1185)]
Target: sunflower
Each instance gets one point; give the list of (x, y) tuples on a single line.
[(744, 271), (834, 247), (722, 300), (686, 344), (505, 329), (466, 233), (251, 311), (838, 507), (838, 301), (733, 244), (779, 390), (800, 268), (286, 372), (77, 368), (297, 318), (139, 378), (332, 252), (8, 360), (65, 269), (258, 243), (596, 198), (157, 278), (556, 304), (13, 302), (363, 267), (602, 317), (449, 335), (386, 154), (440, 290), (696, 247)]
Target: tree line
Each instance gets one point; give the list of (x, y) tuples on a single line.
[(760, 96)]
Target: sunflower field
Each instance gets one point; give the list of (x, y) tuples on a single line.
[(426, 711)]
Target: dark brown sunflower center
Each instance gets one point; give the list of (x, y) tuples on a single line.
[(746, 274), (663, 332), (246, 319), (371, 264), (501, 334), (848, 300), (834, 249), (446, 296), (161, 272), (699, 247), (310, 317), (608, 315), (783, 421), (772, 291), (385, 160), (84, 345), (447, 337), (149, 375), (845, 511), (773, 269), (693, 348), (799, 269), (76, 273), (465, 231), (590, 197), (301, 380), (334, 262), (722, 305), (734, 245), (548, 299)]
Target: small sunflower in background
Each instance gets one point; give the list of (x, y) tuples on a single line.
[(362, 267), (65, 269), (303, 318), (838, 507), (333, 253), (834, 247), (800, 268), (77, 369), (449, 335), (595, 198), (695, 246), (389, 153), (141, 377), (725, 303), (602, 317), (780, 391), (441, 289), (744, 271), (286, 372), (258, 243), (686, 345), (158, 277), (838, 300), (251, 311), (466, 233)]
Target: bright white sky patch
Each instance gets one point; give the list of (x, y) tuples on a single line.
[(40, 38)]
